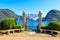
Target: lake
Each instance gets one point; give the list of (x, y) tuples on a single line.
[(32, 25)]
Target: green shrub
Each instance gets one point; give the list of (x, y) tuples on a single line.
[(7, 23), (54, 25), (17, 27), (44, 27), (26, 27), (0, 26), (20, 26)]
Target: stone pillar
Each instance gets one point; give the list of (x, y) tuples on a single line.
[(40, 20), (24, 19)]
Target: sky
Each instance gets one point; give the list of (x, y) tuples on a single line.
[(30, 6)]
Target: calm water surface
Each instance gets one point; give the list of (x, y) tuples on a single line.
[(32, 25)]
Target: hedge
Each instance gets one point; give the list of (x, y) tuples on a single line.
[(7, 23)]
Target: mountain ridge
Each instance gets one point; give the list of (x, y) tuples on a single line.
[(7, 13), (53, 15)]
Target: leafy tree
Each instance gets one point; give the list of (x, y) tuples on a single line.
[(7, 23)]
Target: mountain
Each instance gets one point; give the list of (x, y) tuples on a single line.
[(53, 15), (20, 17), (31, 16), (6, 13), (27, 18), (43, 19)]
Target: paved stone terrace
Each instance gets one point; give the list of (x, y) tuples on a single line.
[(28, 36)]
